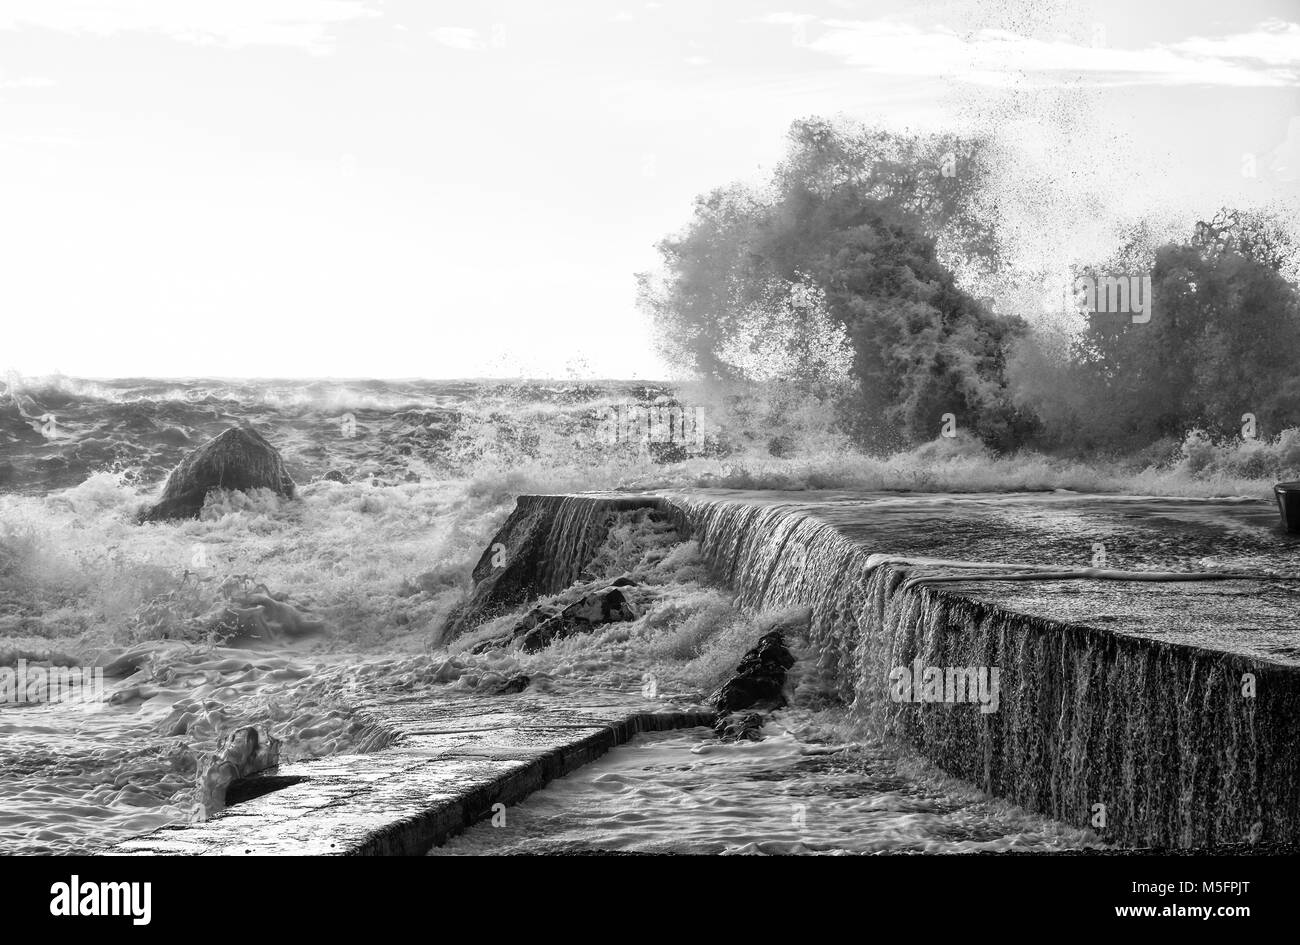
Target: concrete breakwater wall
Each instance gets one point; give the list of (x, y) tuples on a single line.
[(1112, 710), (543, 547)]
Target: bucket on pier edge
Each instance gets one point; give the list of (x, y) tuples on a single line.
[(1288, 503)]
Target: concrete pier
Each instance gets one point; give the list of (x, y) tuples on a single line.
[(1159, 713), (452, 762)]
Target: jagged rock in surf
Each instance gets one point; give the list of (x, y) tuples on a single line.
[(739, 726), (240, 459), (759, 680), (596, 609), (593, 609), (539, 614)]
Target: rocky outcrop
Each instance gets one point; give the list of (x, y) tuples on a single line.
[(759, 680), (240, 459), (582, 616), (739, 726), (544, 625), (757, 684)]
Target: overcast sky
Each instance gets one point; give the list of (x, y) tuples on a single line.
[(358, 188)]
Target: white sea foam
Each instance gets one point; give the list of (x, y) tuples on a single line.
[(797, 791)]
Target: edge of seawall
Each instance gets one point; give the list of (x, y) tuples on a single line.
[(452, 763), (1157, 732), (1149, 742)]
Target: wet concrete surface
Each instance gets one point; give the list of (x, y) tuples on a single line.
[(452, 761), (1169, 704), (1257, 616)]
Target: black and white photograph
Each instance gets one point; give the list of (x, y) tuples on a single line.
[(654, 431)]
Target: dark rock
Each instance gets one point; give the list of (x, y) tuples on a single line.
[(239, 459), (1288, 504), (596, 609), (531, 619), (739, 726), (604, 606), (759, 681), (538, 614), (508, 573), (546, 633), (516, 683), (335, 476)]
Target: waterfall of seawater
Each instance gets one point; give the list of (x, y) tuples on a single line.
[(577, 528), (574, 535), (1152, 738)]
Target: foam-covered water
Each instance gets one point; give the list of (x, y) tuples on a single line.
[(793, 792), (76, 774), (55, 432)]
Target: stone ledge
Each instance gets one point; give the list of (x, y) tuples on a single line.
[(447, 770)]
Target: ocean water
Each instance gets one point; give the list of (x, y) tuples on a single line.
[(427, 470), (795, 792), (58, 431), (401, 485)]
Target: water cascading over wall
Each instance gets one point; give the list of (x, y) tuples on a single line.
[(1155, 732), (542, 548), (1158, 733)]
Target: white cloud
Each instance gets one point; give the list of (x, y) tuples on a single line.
[(1274, 42), (1268, 55), (304, 24)]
